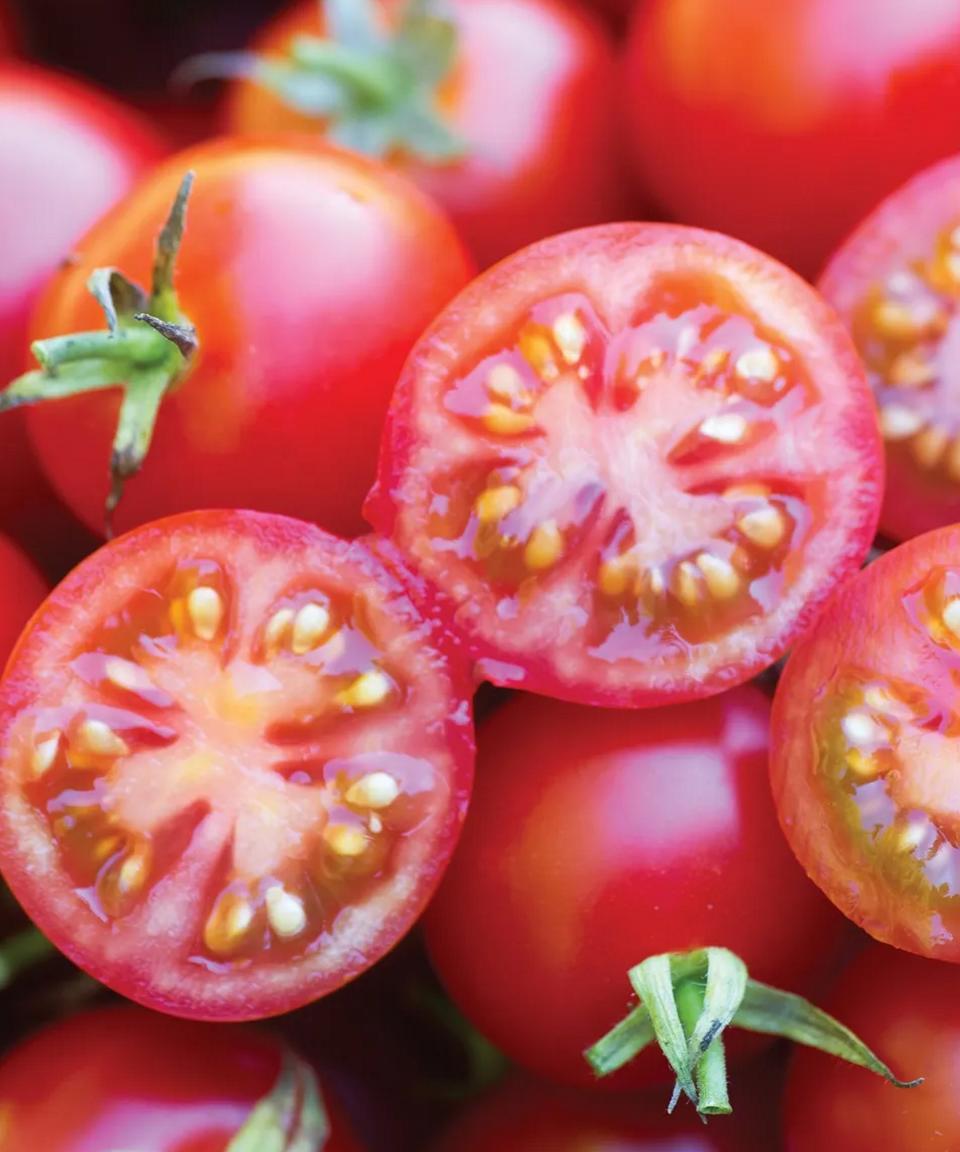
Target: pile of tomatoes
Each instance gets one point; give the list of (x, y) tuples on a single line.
[(415, 572)]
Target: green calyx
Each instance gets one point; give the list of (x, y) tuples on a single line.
[(374, 88), (145, 350), (688, 999)]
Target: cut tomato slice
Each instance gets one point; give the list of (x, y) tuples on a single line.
[(234, 764), (636, 459), (896, 282), (865, 745)]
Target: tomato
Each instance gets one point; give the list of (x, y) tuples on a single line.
[(22, 588), (67, 154), (524, 143), (635, 458), (235, 760), (909, 1008), (308, 274), (524, 1116), (896, 283), (783, 124), (119, 1077), (596, 839), (864, 748)]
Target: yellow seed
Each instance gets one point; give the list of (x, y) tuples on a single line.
[(536, 348), (758, 364), (99, 739), (205, 608), (655, 582), (345, 840), (133, 872), (879, 699), (686, 585), (951, 615), (505, 383), (897, 422), (376, 790), (764, 527), (953, 460), (367, 691), (502, 420), (725, 428), (929, 446), (745, 491), (616, 575), (545, 546), (495, 503), (911, 370), (571, 337), (105, 847), (864, 766), (123, 880), (951, 263), (286, 914), (45, 754), (277, 628), (720, 576), (228, 923), (374, 823), (897, 321), (911, 835), (861, 728), (126, 675), (309, 627), (954, 238)]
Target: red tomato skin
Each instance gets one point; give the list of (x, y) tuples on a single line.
[(784, 124), (121, 1077), (597, 839), (908, 1011), (22, 589), (67, 154), (282, 411), (534, 97)]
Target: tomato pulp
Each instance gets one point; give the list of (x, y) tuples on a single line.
[(635, 458), (597, 839), (235, 760)]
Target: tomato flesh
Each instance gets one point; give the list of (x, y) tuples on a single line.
[(609, 453), (897, 284), (233, 764), (865, 745)]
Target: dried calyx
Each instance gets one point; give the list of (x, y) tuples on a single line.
[(688, 999), (374, 88)]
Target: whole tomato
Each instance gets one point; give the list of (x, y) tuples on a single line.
[(22, 588), (784, 123), (304, 276), (503, 110)]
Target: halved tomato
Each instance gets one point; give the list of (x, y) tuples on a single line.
[(865, 744), (635, 458), (896, 282), (235, 760)]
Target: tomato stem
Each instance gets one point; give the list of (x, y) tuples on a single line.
[(291, 1118), (710, 1072)]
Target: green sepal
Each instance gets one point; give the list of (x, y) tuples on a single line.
[(145, 350), (292, 1118)]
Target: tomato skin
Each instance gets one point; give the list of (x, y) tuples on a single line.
[(534, 97), (597, 839), (120, 1077), (906, 1009), (22, 589), (804, 115), (282, 410), (51, 126)]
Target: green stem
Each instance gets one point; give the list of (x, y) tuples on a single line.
[(22, 952), (368, 78), (710, 1068), (129, 345)]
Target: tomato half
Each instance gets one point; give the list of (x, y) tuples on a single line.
[(783, 124), (530, 97), (67, 154), (234, 764), (596, 839), (636, 458), (896, 283), (865, 744), (909, 1009), (22, 588), (121, 1078), (308, 274)]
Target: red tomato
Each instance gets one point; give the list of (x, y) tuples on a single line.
[(524, 1116), (22, 588), (531, 95), (909, 1009), (234, 764), (121, 1078), (308, 274), (596, 839), (784, 123), (67, 154), (865, 746), (896, 283), (636, 458)]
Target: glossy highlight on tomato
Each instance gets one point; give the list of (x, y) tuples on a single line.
[(596, 839), (783, 124), (896, 283), (308, 273), (234, 764), (121, 1078), (864, 750), (635, 458)]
